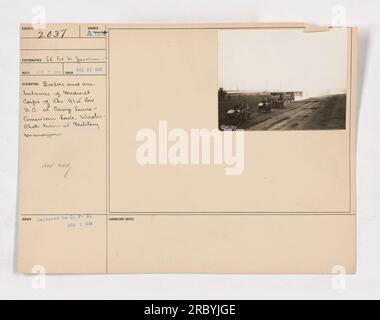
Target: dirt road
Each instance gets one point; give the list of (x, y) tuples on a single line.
[(328, 112)]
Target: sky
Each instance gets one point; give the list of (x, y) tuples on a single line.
[(283, 60)]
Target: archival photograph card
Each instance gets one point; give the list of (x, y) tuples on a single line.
[(205, 148)]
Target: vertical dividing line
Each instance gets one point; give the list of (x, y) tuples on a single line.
[(107, 137), (352, 131), (349, 121)]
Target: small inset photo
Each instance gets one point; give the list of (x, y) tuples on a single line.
[(282, 79)]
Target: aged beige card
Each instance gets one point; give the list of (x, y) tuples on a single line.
[(225, 148)]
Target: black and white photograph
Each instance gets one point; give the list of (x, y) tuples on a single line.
[(282, 79)]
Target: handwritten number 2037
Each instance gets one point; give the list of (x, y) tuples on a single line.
[(52, 34)]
